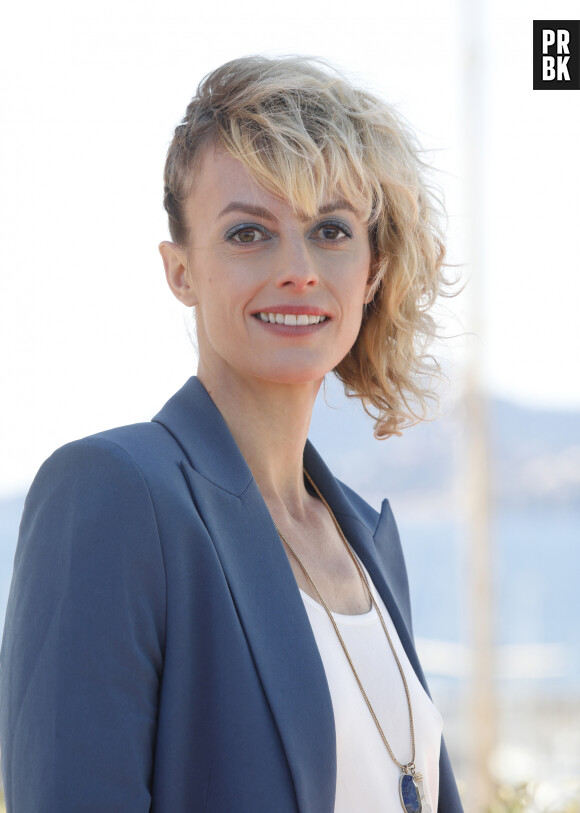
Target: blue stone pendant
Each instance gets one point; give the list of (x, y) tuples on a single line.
[(409, 793)]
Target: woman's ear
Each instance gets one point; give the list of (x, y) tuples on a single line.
[(177, 273)]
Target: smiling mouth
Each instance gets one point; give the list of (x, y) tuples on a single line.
[(290, 319)]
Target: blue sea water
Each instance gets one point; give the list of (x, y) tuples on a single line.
[(536, 571)]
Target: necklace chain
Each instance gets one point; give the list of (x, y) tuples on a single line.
[(410, 766)]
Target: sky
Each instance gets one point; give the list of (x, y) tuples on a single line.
[(90, 93)]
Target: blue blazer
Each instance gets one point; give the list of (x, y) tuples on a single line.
[(157, 655)]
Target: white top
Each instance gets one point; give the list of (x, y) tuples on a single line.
[(367, 777)]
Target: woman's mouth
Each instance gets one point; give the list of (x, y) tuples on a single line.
[(290, 319)]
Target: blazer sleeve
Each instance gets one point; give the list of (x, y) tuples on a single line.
[(82, 651)]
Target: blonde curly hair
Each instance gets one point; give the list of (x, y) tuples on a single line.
[(306, 133)]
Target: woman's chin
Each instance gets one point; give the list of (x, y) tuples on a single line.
[(296, 377), (300, 369)]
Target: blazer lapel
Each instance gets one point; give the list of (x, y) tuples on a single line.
[(264, 590), (391, 581)]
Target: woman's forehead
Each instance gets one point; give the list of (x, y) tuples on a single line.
[(224, 183), (220, 173)]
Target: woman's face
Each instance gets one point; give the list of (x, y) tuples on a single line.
[(279, 297)]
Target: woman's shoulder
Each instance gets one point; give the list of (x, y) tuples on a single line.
[(121, 475), (93, 474), (139, 449), (143, 443)]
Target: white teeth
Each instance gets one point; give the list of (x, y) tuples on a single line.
[(291, 319)]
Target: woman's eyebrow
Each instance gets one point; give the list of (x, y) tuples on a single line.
[(247, 208), (267, 214), (340, 203)]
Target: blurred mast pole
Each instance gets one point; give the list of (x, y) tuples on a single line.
[(482, 716)]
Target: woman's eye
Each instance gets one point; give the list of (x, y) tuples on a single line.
[(246, 235), (332, 232)]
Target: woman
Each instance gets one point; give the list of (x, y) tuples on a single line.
[(202, 618)]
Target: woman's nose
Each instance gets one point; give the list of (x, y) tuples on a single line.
[(296, 266)]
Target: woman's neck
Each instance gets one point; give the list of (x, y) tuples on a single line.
[(269, 423)]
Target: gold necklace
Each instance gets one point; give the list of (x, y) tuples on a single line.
[(411, 790)]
